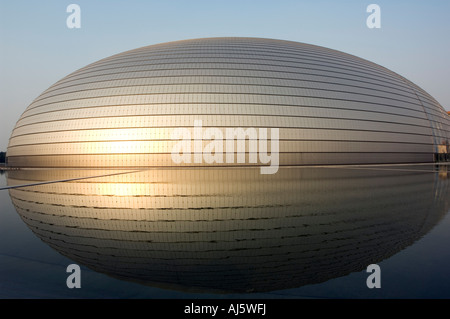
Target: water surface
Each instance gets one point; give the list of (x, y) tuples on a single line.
[(227, 233)]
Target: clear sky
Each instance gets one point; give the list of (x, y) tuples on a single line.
[(37, 48)]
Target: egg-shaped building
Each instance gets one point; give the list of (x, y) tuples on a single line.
[(328, 108)]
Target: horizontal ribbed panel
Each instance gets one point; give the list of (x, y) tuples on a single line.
[(329, 107)]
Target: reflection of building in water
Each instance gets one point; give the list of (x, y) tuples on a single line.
[(228, 230), (443, 171)]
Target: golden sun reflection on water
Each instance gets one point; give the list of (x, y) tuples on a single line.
[(224, 230)]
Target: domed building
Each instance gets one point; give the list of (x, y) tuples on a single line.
[(327, 107)]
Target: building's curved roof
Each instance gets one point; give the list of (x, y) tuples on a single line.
[(330, 107)]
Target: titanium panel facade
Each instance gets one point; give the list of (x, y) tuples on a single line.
[(330, 107)]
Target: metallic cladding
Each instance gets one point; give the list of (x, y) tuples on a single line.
[(330, 107)]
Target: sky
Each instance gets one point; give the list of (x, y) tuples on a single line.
[(37, 48)]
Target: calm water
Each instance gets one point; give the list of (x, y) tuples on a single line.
[(227, 233)]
